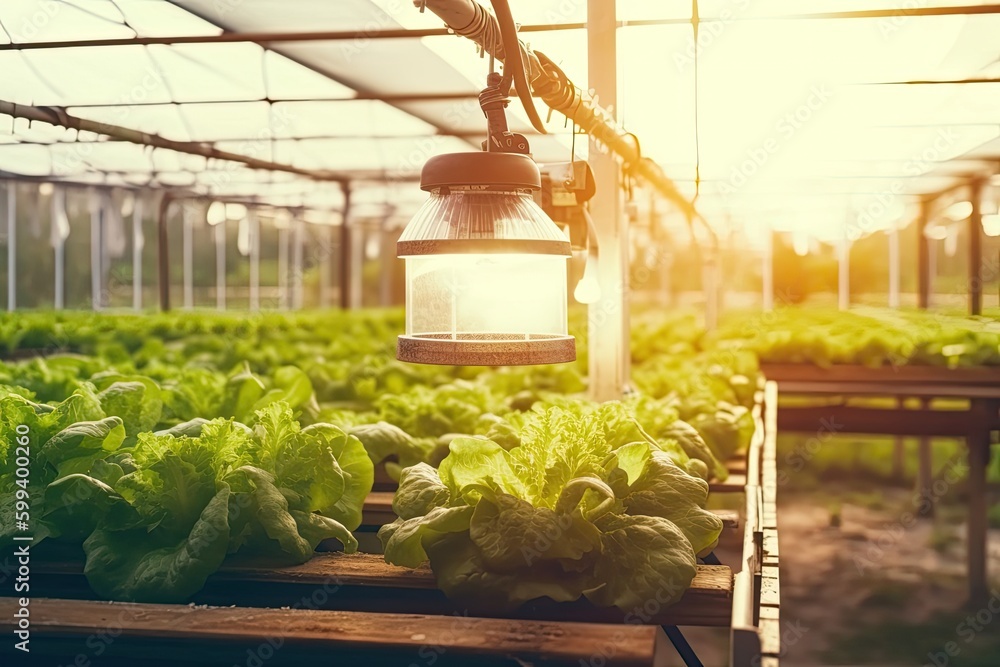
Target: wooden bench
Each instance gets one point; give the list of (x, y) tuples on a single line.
[(365, 582), (132, 634), (978, 387)]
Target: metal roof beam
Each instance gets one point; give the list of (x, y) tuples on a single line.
[(57, 116), (409, 33)]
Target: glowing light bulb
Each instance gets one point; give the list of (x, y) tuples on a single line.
[(991, 224), (236, 211), (588, 290), (216, 213), (800, 243)]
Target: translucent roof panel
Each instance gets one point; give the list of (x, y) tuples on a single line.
[(831, 122)]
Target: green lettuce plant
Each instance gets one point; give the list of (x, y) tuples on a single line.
[(567, 513)]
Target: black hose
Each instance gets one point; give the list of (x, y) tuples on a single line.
[(513, 62)]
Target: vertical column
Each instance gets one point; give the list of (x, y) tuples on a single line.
[(767, 270), (254, 259), (11, 246), (326, 264), (138, 243), (188, 257), (359, 238), (283, 267), (387, 260), (163, 252), (607, 317), (894, 266), (345, 252), (844, 274), (96, 243), (58, 231), (923, 258), (982, 413), (976, 249), (220, 265), (298, 234)]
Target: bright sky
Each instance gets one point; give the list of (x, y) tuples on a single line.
[(803, 125)]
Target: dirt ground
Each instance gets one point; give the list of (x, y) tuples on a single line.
[(863, 584)]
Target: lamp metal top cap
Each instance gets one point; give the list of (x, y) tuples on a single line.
[(491, 170)]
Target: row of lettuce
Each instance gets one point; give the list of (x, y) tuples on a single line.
[(167, 446), (866, 336)]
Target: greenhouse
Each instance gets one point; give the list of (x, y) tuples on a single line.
[(500, 332)]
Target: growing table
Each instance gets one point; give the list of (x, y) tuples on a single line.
[(978, 387)]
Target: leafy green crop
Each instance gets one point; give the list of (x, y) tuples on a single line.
[(567, 513), (158, 512)]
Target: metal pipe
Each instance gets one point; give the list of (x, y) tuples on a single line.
[(345, 251), (187, 239), (254, 224), (96, 243), (403, 33), (470, 19), (163, 251), (283, 268), (298, 229), (607, 319), (976, 249), (360, 96), (894, 267), (11, 246), (138, 243), (58, 239), (923, 258), (220, 265), (57, 116)]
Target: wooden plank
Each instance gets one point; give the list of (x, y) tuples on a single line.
[(734, 484), (935, 375), (198, 634), (891, 389), (978, 452), (366, 582), (873, 421)]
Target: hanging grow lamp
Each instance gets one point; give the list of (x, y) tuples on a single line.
[(485, 266)]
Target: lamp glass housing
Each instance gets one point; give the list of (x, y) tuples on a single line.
[(486, 280), (496, 295)]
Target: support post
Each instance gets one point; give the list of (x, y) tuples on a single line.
[(163, 252), (254, 224), (608, 317), (59, 228), (298, 233), (11, 246), (283, 268), (138, 243), (923, 258), (326, 264), (387, 261), (220, 265), (767, 271), (894, 267), (844, 274), (188, 249), (96, 250), (976, 249), (925, 470), (359, 237), (345, 251), (982, 412)]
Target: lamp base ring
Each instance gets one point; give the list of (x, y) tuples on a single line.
[(486, 349)]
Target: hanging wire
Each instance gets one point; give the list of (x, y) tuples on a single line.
[(695, 23)]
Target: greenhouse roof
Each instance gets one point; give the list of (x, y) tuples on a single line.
[(793, 113)]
